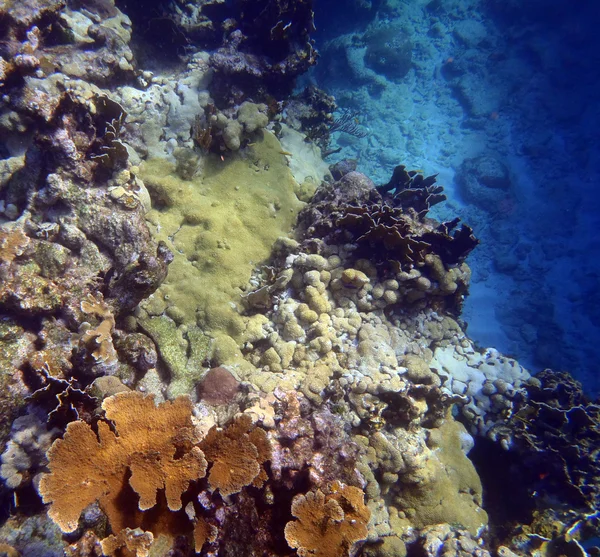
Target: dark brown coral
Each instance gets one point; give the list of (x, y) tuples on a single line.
[(392, 232), (412, 189), (547, 449), (264, 54)]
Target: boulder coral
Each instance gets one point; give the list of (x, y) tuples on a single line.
[(218, 227)]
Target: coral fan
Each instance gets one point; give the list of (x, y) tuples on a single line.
[(328, 524), (85, 468), (237, 455)]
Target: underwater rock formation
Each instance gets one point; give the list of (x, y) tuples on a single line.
[(265, 53), (389, 51), (485, 182)]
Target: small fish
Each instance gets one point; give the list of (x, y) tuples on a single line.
[(287, 153)]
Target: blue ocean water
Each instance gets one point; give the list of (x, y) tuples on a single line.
[(502, 99)]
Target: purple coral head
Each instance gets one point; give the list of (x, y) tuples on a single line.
[(218, 386)]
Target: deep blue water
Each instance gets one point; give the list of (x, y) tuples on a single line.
[(518, 82)]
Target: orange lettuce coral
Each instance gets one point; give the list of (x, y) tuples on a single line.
[(329, 524), (134, 540), (155, 445), (203, 532), (99, 340), (237, 454)]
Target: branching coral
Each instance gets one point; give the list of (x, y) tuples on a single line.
[(155, 444), (329, 524)]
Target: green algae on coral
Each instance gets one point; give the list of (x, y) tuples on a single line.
[(182, 353)]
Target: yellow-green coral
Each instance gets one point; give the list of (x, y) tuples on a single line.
[(220, 226), (447, 489)]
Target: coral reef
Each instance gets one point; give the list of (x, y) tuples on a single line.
[(218, 132), (101, 42), (218, 227), (312, 113), (76, 254), (237, 454), (265, 52), (102, 463), (492, 384), (211, 344), (25, 453), (555, 431), (393, 232), (156, 448)]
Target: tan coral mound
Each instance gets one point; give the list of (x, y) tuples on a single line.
[(85, 467), (329, 524)]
